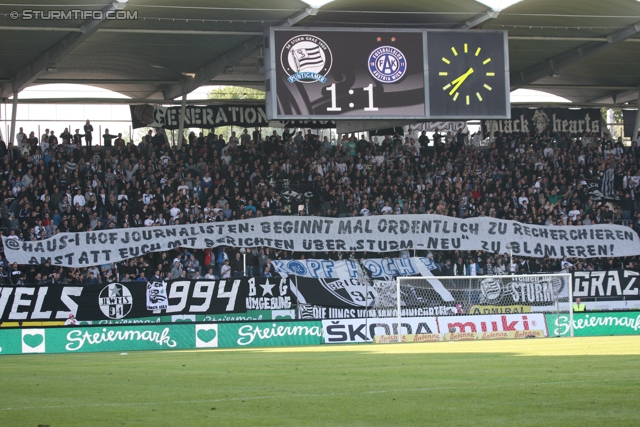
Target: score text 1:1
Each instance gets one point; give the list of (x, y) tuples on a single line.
[(368, 89)]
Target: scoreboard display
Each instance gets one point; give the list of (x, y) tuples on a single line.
[(368, 74)]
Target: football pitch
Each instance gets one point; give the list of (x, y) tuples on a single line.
[(553, 381)]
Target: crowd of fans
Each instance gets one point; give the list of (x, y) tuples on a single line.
[(51, 184)]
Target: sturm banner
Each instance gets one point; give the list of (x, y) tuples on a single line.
[(121, 300), (378, 234), (522, 290), (614, 284), (556, 120)]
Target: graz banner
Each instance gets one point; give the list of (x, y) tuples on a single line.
[(547, 119), (378, 233), (614, 284), (122, 300), (594, 324)]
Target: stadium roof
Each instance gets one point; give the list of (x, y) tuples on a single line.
[(583, 50)]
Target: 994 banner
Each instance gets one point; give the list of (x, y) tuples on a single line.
[(373, 74)]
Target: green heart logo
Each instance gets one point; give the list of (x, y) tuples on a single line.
[(207, 335), (33, 340), (182, 320), (283, 317)]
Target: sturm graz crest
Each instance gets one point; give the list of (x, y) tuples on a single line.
[(387, 64), (491, 289), (115, 301), (306, 59)]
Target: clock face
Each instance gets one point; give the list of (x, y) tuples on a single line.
[(467, 75)]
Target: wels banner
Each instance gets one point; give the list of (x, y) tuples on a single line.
[(614, 284), (556, 120), (493, 323), (363, 330), (121, 300), (594, 324), (378, 233)]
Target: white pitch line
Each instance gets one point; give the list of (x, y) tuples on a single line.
[(293, 395)]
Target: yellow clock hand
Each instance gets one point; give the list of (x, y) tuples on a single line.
[(457, 82)]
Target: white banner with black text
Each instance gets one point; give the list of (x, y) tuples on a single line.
[(375, 234)]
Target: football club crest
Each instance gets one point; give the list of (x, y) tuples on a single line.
[(306, 59), (387, 64), (115, 301), (491, 289)]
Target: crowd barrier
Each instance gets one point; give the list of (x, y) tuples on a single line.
[(194, 335)]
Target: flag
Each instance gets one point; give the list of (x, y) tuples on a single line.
[(307, 58), (157, 296), (607, 183)]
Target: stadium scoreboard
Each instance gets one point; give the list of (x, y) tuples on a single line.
[(369, 74)]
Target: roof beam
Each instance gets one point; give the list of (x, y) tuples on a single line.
[(551, 65), (618, 97), (55, 53), (228, 59), (480, 19)]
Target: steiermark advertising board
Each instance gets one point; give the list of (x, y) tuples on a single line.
[(158, 337), (249, 316), (594, 324)]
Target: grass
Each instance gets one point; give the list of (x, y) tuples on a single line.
[(564, 382)]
